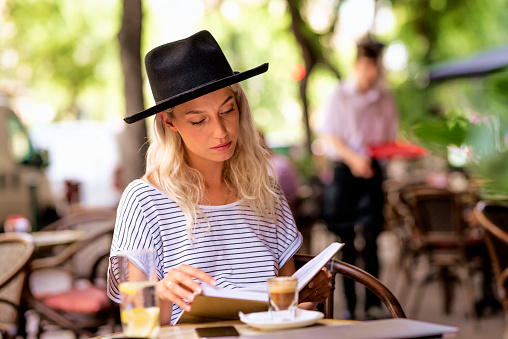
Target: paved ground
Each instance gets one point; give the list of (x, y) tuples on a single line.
[(489, 327)]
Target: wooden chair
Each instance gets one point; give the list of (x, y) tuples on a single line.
[(493, 217), (84, 306), (16, 250), (360, 276), (439, 226)]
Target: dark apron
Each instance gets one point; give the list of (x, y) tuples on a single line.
[(348, 200)]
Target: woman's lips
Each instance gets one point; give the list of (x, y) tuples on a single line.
[(222, 147)]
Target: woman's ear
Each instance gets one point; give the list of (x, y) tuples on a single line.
[(167, 121)]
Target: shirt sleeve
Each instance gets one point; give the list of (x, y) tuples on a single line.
[(289, 239), (328, 113), (131, 232)]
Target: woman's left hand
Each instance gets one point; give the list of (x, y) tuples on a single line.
[(318, 288)]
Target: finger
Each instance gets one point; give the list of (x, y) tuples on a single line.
[(166, 294), (319, 296), (305, 295), (181, 278), (180, 291), (328, 274), (321, 276), (323, 284), (199, 274), (315, 296), (184, 275)]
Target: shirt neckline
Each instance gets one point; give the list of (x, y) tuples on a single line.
[(202, 207)]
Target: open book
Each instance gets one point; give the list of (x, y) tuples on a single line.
[(218, 303)]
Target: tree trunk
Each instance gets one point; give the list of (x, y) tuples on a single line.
[(312, 53), (133, 139)]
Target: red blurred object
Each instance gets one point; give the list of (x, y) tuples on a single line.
[(297, 72), (396, 149), (17, 223)]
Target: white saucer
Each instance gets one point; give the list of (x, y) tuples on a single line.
[(264, 321)]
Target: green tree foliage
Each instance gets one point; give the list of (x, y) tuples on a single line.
[(470, 111), (63, 49), (67, 50)]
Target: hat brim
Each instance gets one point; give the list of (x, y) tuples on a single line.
[(196, 92)]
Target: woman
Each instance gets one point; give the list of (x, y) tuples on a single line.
[(206, 202)]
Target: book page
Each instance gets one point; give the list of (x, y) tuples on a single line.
[(257, 292), (310, 269), (223, 303)]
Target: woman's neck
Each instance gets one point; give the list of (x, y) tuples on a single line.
[(217, 191)]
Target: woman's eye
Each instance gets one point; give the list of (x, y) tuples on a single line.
[(197, 123), (226, 112)]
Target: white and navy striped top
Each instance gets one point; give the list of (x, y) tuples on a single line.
[(241, 248)]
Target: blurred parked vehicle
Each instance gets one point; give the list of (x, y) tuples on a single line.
[(83, 158), (24, 187)]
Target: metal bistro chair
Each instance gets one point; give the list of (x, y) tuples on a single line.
[(440, 228), (16, 250), (494, 218), (360, 276)]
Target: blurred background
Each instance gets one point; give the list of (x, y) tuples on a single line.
[(67, 69), (70, 71)]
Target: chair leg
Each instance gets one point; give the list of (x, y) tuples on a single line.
[(447, 282), (467, 287), (406, 262), (505, 334), (419, 292), (23, 308)]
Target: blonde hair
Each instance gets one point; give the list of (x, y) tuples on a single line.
[(245, 173)]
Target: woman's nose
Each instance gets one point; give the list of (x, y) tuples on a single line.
[(219, 130)]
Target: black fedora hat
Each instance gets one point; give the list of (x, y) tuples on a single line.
[(185, 69)]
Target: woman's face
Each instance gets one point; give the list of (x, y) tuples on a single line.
[(208, 126), (367, 73)]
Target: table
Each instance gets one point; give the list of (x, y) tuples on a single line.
[(48, 239), (323, 329), (188, 331)]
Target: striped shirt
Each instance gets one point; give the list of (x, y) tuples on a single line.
[(239, 249)]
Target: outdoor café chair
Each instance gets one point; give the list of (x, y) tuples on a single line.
[(83, 306), (16, 250), (357, 274), (439, 225), (493, 216)]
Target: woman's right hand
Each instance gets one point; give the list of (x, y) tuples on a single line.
[(178, 285)]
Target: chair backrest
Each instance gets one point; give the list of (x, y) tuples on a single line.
[(436, 211), (360, 276), (16, 250), (87, 258), (86, 220), (494, 218), (98, 224)]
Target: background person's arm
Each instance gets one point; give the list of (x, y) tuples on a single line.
[(359, 164)]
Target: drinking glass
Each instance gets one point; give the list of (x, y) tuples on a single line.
[(283, 296), (140, 304)]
